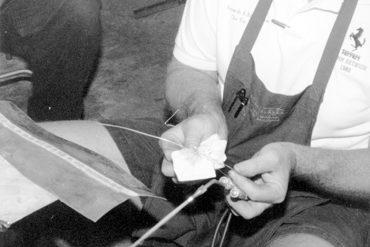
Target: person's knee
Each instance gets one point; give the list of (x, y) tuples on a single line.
[(300, 240)]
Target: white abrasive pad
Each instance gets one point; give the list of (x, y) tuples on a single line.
[(200, 162)]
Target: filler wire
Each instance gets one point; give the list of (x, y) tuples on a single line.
[(200, 191)]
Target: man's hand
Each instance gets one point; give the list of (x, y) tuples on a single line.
[(190, 133), (196, 95), (264, 179)]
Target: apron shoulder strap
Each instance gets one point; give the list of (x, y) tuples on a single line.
[(332, 48), (254, 25)]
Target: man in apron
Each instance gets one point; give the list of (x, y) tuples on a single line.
[(286, 85), (295, 94), (60, 41)]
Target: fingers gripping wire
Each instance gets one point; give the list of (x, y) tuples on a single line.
[(233, 190), (230, 187)]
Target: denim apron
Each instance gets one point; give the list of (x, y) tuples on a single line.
[(255, 117), (258, 116)]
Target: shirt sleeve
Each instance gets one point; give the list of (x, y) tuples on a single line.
[(195, 43)]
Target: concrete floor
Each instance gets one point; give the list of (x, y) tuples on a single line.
[(128, 84)]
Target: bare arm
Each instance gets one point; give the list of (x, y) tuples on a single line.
[(196, 96), (192, 91), (342, 174)]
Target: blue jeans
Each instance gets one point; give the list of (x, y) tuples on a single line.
[(61, 41)]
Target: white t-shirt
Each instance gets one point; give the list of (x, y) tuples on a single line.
[(286, 54)]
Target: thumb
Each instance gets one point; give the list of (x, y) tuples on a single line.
[(169, 142), (167, 168)]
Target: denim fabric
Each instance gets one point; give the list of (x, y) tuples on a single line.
[(341, 225), (142, 153), (60, 40)]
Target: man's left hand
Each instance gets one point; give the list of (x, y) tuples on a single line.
[(264, 179)]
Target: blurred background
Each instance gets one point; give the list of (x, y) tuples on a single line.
[(130, 75)]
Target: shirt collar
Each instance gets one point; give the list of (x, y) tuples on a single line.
[(323, 5)]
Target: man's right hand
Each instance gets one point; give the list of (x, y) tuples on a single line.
[(190, 133)]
